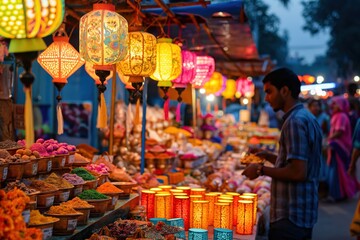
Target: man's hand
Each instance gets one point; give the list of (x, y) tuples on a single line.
[(251, 171)]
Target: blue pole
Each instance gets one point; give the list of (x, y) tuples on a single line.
[(143, 128)]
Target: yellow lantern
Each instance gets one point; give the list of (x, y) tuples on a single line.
[(252, 198), (200, 214), (245, 220), (197, 191), (211, 197), (214, 84), (230, 89), (168, 67), (162, 205), (26, 22), (60, 60), (222, 215)]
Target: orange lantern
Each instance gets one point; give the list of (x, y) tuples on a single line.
[(148, 201), (235, 201), (252, 198), (185, 189), (197, 191), (60, 60), (192, 199), (200, 214), (166, 187), (245, 222), (173, 195), (182, 209), (211, 197), (222, 215), (156, 190), (163, 205), (231, 202)]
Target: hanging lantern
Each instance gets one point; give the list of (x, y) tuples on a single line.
[(103, 41), (223, 86), (168, 67), (230, 89), (244, 87), (205, 67), (25, 23), (187, 75), (60, 60), (214, 84), (89, 68)]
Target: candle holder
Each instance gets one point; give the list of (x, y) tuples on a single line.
[(235, 201), (200, 213), (162, 205), (182, 209), (165, 188), (197, 191), (212, 198), (198, 234), (255, 204), (222, 215), (173, 195), (192, 199), (178, 222), (231, 202), (245, 222), (223, 234), (148, 201), (185, 189)]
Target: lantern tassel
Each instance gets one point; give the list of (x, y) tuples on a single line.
[(29, 121), (166, 110), (137, 112), (102, 113), (178, 112), (60, 119)]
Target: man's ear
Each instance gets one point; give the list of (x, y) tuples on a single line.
[(284, 90)]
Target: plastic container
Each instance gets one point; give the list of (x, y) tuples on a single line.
[(4, 169), (45, 165), (100, 206), (46, 228), (31, 168), (67, 223), (16, 170)]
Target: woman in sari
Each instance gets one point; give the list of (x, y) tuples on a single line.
[(341, 184)]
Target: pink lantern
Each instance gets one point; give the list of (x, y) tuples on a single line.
[(187, 75), (205, 67), (244, 87)]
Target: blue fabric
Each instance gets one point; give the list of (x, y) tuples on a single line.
[(300, 139), (356, 135)]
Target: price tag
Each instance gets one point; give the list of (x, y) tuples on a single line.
[(26, 215), (71, 224), (114, 200), (64, 196), (63, 161), (49, 201), (71, 158), (49, 166), (47, 233), (5, 173), (34, 168)]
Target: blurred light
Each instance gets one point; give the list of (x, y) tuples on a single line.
[(318, 86), (319, 79), (356, 78), (210, 97), (245, 101), (202, 91)]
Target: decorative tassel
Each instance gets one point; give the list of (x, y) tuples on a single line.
[(178, 112), (137, 112), (29, 121), (102, 113), (166, 110), (60, 119)]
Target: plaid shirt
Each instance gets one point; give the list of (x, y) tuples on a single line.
[(300, 139)]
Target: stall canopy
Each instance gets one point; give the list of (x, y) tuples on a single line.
[(217, 28)]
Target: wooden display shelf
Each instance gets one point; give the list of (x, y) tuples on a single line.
[(121, 210)]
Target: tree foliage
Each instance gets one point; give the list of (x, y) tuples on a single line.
[(266, 29), (340, 19)]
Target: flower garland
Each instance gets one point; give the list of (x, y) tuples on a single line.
[(12, 225)]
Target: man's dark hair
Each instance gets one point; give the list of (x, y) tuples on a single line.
[(284, 77)]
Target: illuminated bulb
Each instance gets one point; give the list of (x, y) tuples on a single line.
[(202, 91), (210, 97), (245, 101), (319, 79), (356, 78)]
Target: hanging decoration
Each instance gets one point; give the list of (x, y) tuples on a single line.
[(244, 88), (214, 84), (89, 68), (205, 67), (103, 41), (26, 23), (187, 75), (168, 67), (230, 89), (223, 86), (60, 60)]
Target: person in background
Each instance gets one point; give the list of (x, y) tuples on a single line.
[(295, 175), (341, 184)]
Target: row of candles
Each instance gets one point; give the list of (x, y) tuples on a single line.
[(200, 209)]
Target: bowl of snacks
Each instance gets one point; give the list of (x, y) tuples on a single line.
[(110, 190), (126, 187), (98, 200), (44, 223), (68, 219), (81, 206), (76, 181), (90, 180)]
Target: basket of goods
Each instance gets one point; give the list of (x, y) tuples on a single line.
[(16, 166), (44, 223), (126, 187), (99, 170), (110, 190), (90, 180), (98, 200), (4, 168), (68, 219), (30, 192), (251, 158), (76, 181), (81, 206), (10, 146), (45, 161), (63, 194), (46, 196), (80, 161), (33, 157)]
